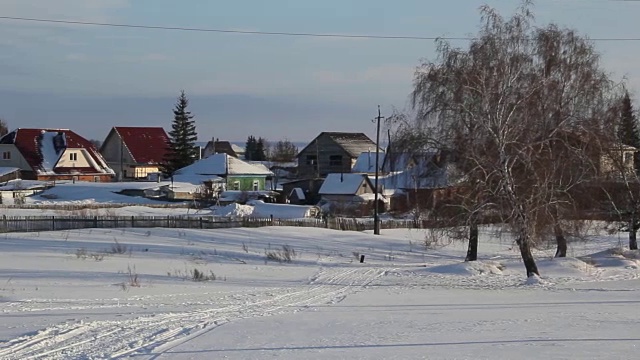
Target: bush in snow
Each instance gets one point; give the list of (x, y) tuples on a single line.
[(286, 254)]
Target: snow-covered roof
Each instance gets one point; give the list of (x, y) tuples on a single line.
[(435, 177), (366, 162), (42, 148), (221, 165), (8, 170), (19, 184), (238, 149), (52, 146), (299, 193), (342, 184), (422, 171)]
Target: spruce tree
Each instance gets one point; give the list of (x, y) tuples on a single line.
[(628, 132), (182, 137), (260, 154), (250, 148)]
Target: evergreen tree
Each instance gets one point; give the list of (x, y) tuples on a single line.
[(261, 146), (250, 148), (182, 137), (628, 132)]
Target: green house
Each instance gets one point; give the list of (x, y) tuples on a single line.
[(237, 174)]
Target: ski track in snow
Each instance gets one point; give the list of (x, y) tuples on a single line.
[(152, 335)]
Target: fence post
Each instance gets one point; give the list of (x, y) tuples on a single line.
[(53, 223), (201, 223), (271, 217), (133, 218), (95, 221)]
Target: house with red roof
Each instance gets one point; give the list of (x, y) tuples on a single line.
[(53, 154), (135, 152)]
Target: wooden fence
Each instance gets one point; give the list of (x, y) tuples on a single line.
[(55, 223)]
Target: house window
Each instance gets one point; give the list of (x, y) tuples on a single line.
[(73, 156), (312, 159), (335, 160), (96, 179), (256, 185), (236, 185), (6, 155), (628, 157)]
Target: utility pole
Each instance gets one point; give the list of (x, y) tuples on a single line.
[(376, 220)]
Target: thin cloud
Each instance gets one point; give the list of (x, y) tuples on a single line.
[(81, 10), (381, 75)]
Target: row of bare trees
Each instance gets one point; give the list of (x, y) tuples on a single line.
[(529, 117)]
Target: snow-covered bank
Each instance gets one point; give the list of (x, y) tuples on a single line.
[(124, 293)]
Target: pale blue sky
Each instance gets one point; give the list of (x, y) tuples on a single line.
[(91, 78)]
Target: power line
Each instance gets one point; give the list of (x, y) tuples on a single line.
[(269, 33)]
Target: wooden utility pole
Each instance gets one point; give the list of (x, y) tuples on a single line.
[(376, 220)]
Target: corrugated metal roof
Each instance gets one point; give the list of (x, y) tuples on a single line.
[(147, 145)]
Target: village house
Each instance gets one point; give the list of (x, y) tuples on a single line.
[(238, 175), (302, 192), (53, 154), (135, 152), (366, 163), (215, 146), (332, 152), (346, 189)]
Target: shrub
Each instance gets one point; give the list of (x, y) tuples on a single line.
[(286, 254), (197, 275), (118, 248)]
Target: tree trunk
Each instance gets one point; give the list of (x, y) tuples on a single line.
[(527, 256), (561, 241), (633, 229), (472, 250)]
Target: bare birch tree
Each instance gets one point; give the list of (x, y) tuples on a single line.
[(523, 109)]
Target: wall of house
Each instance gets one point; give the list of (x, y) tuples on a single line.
[(73, 158), (245, 182), (364, 188), (612, 163), (179, 195), (15, 157), (11, 176), (340, 198), (8, 197), (323, 149), (141, 172), (117, 156), (79, 177)]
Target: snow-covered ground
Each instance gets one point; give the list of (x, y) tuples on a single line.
[(94, 294)]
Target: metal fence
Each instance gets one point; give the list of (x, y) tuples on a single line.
[(55, 223)]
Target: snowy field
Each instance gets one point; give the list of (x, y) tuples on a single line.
[(97, 294)]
